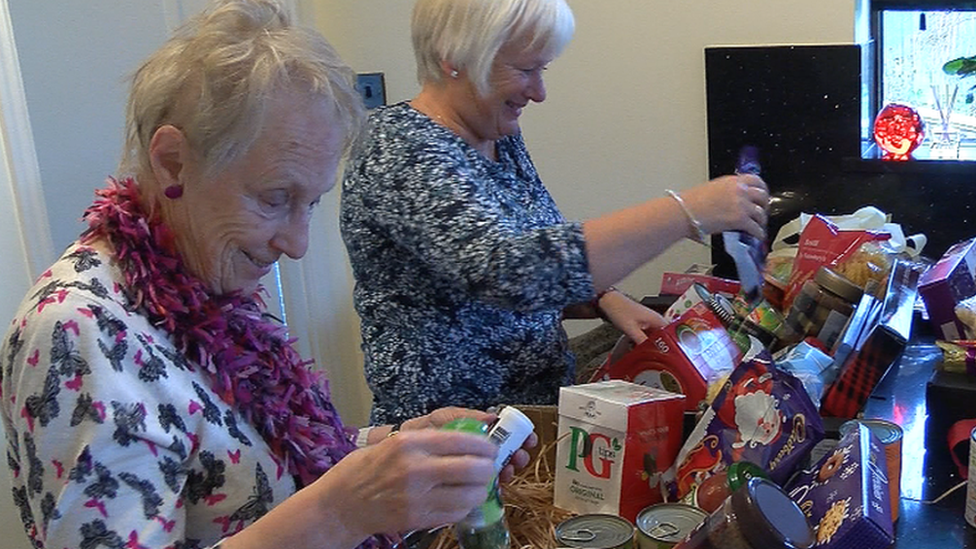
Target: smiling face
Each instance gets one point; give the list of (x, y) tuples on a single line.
[(232, 226), (515, 80)]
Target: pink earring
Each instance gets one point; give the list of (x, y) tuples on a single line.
[(173, 192)]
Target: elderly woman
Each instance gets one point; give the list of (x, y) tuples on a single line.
[(464, 266), (147, 402)]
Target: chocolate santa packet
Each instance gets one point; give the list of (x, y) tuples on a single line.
[(762, 415), (845, 495)]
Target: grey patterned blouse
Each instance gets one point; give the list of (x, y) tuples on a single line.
[(462, 265)]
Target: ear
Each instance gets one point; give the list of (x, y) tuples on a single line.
[(167, 155), (447, 69)]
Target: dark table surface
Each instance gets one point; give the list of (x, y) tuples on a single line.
[(927, 473)]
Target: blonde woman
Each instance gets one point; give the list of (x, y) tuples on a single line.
[(464, 266)]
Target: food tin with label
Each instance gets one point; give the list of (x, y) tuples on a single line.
[(596, 531), (971, 484), (663, 525), (890, 434)]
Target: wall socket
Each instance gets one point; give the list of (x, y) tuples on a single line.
[(372, 88)]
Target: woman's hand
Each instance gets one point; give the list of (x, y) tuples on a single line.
[(440, 417), (630, 317), (731, 202), (417, 479)]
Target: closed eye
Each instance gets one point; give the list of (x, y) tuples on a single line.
[(275, 199)]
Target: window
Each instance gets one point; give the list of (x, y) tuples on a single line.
[(912, 41)]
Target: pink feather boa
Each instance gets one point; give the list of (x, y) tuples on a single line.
[(251, 363)]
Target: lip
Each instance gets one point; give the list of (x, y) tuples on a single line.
[(517, 109), (263, 266)]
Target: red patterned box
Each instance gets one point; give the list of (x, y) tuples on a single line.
[(873, 352), (683, 357)]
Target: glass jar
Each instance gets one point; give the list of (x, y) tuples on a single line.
[(823, 307), (759, 515)]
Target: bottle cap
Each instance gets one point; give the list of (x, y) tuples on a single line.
[(509, 433), (741, 471)]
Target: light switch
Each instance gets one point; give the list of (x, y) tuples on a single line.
[(372, 89)]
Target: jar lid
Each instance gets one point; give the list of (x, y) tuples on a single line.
[(833, 282), (741, 471), (769, 518)]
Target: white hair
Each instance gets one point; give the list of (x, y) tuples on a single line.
[(213, 79), (467, 34)]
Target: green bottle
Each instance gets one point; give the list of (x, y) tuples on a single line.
[(485, 526)]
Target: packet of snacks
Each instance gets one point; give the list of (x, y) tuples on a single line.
[(958, 356), (845, 495), (762, 415), (822, 243), (868, 267)]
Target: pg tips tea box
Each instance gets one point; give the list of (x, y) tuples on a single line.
[(615, 440)]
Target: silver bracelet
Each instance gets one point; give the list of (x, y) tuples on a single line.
[(699, 234)]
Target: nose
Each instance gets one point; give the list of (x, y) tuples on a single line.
[(537, 89), (291, 238)]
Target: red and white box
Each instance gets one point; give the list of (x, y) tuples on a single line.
[(945, 284), (615, 440), (678, 283), (686, 356)]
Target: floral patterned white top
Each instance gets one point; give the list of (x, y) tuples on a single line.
[(113, 439)]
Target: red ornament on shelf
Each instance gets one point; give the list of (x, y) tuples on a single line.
[(898, 130)]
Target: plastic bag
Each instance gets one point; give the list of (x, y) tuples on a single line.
[(867, 218)]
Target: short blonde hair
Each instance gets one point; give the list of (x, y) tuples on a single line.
[(468, 34), (213, 78)]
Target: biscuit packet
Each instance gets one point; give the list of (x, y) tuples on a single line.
[(845, 495)]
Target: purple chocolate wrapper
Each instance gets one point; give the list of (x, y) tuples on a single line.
[(845, 495), (762, 415)]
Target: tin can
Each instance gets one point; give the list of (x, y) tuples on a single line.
[(596, 531), (663, 525), (971, 484), (890, 434)]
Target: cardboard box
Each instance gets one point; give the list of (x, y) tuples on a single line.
[(945, 284), (678, 283), (683, 357), (546, 421), (615, 440), (877, 346), (845, 495)]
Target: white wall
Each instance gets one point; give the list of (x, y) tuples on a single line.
[(74, 59), (625, 117)]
